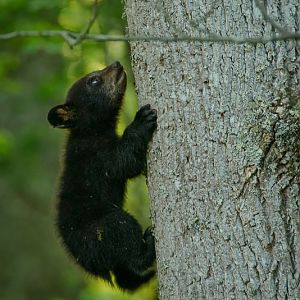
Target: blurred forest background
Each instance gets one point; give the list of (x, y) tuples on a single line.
[(35, 74)]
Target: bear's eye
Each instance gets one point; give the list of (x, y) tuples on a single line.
[(94, 80)]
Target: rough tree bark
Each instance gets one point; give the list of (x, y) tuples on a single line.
[(224, 166)]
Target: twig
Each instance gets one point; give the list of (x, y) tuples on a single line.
[(74, 38), (71, 37), (84, 32), (267, 18), (68, 36)]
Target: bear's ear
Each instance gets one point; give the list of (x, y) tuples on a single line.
[(62, 116)]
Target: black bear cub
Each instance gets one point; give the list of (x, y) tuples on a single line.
[(96, 231)]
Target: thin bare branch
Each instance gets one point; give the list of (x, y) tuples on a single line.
[(70, 37), (89, 25), (267, 18)]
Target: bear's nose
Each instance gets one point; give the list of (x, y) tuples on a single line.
[(116, 65)]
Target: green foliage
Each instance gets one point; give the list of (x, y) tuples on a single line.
[(35, 74)]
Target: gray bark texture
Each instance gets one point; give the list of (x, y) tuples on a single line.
[(224, 164)]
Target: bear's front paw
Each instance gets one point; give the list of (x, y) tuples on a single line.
[(146, 118)]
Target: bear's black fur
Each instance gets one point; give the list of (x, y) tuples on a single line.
[(98, 233)]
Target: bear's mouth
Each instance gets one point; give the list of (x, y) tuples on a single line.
[(121, 79), (117, 76), (120, 73)]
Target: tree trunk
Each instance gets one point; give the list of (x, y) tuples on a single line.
[(224, 166)]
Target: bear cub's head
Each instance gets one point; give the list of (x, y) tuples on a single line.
[(93, 100)]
